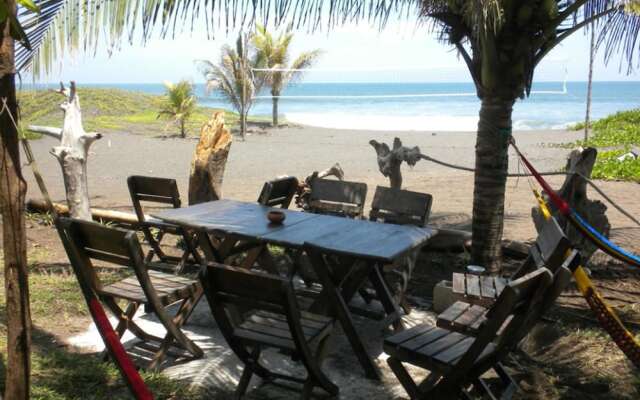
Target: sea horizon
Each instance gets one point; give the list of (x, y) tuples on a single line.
[(418, 106)]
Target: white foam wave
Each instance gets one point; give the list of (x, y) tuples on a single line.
[(338, 120)]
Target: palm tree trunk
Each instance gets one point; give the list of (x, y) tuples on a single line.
[(183, 132), (592, 55), (275, 97), (492, 163), (243, 124), (12, 193)]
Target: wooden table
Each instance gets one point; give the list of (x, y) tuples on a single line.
[(355, 240)]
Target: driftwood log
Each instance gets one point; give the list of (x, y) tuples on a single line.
[(574, 190), (99, 214), (72, 153), (209, 161)]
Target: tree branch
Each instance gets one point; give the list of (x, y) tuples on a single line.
[(467, 59), (46, 130), (550, 45)]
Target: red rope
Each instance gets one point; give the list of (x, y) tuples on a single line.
[(117, 351)]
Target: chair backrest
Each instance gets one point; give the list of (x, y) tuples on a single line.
[(229, 289), (550, 249), (153, 190), (518, 300), (278, 192), (337, 197), (398, 206), (86, 240)]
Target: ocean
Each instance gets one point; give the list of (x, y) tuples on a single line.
[(424, 106)]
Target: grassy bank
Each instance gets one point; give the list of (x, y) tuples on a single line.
[(614, 136), (113, 110)]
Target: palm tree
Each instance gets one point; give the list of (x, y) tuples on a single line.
[(273, 53), (179, 104), (233, 77)]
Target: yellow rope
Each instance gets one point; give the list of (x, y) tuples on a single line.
[(607, 317)]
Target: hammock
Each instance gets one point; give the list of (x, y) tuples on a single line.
[(605, 315), (578, 222)]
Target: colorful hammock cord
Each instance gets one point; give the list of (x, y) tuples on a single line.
[(605, 315), (577, 221)]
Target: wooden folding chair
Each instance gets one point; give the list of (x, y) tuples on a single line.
[(160, 191), (456, 361), (467, 318), (403, 207), (86, 241), (270, 318), (278, 192), (550, 249), (335, 197)]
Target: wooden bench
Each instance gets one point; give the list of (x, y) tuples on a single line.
[(254, 311), (335, 197), (467, 318), (456, 361), (160, 191), (86, 241), (550, 250)]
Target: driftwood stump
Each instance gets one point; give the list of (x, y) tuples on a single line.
[(72, 153), (390, 160), (209, 161), (574, 191)]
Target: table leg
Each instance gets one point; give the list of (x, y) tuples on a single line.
[(339, 307), (386, 298)]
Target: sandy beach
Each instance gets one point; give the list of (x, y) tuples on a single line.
[(299, 151)]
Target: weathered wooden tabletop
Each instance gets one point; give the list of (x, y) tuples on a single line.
[(357, 238)]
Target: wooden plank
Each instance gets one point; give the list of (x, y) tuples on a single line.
[(425, 338), (454, 352), (487, 288), (471, 315), (458, 283), (499, 284), (256, 337), (443, 343), (453, 312), (338, 191), (402, 202), (404, 336), (473, 285)]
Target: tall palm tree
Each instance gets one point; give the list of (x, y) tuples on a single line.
[(233, 77), (273, 54), (179, 104)]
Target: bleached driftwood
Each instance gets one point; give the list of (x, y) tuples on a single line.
[(304, 189), (574, 190), (72, 152), (209, 161), (390, 160), (100, 214)]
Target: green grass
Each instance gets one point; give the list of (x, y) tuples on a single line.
[(616, 134), (59, 372), (112, 110)]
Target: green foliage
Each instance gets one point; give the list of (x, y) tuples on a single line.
[(179, 105), (619, 129), (609, 168), (106, 111)]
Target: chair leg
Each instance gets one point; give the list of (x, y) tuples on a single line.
[(511, 385), (307, 389), (243, 383), (403, 376)]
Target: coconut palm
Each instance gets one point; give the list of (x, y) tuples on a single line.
[(179, 104), (273, 54), (233, 78)]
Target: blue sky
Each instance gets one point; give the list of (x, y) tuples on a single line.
[(400, 53)]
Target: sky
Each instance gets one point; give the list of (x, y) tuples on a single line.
[(361, 53)]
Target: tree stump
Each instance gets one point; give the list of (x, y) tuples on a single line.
[(209, 161), (574, 191)]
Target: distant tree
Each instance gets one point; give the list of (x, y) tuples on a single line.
[(273, 53), (179, 105), (233, 77)]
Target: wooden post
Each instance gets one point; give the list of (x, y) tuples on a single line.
[(390, 160), (72, 153), (13, 189), (209, 161)]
